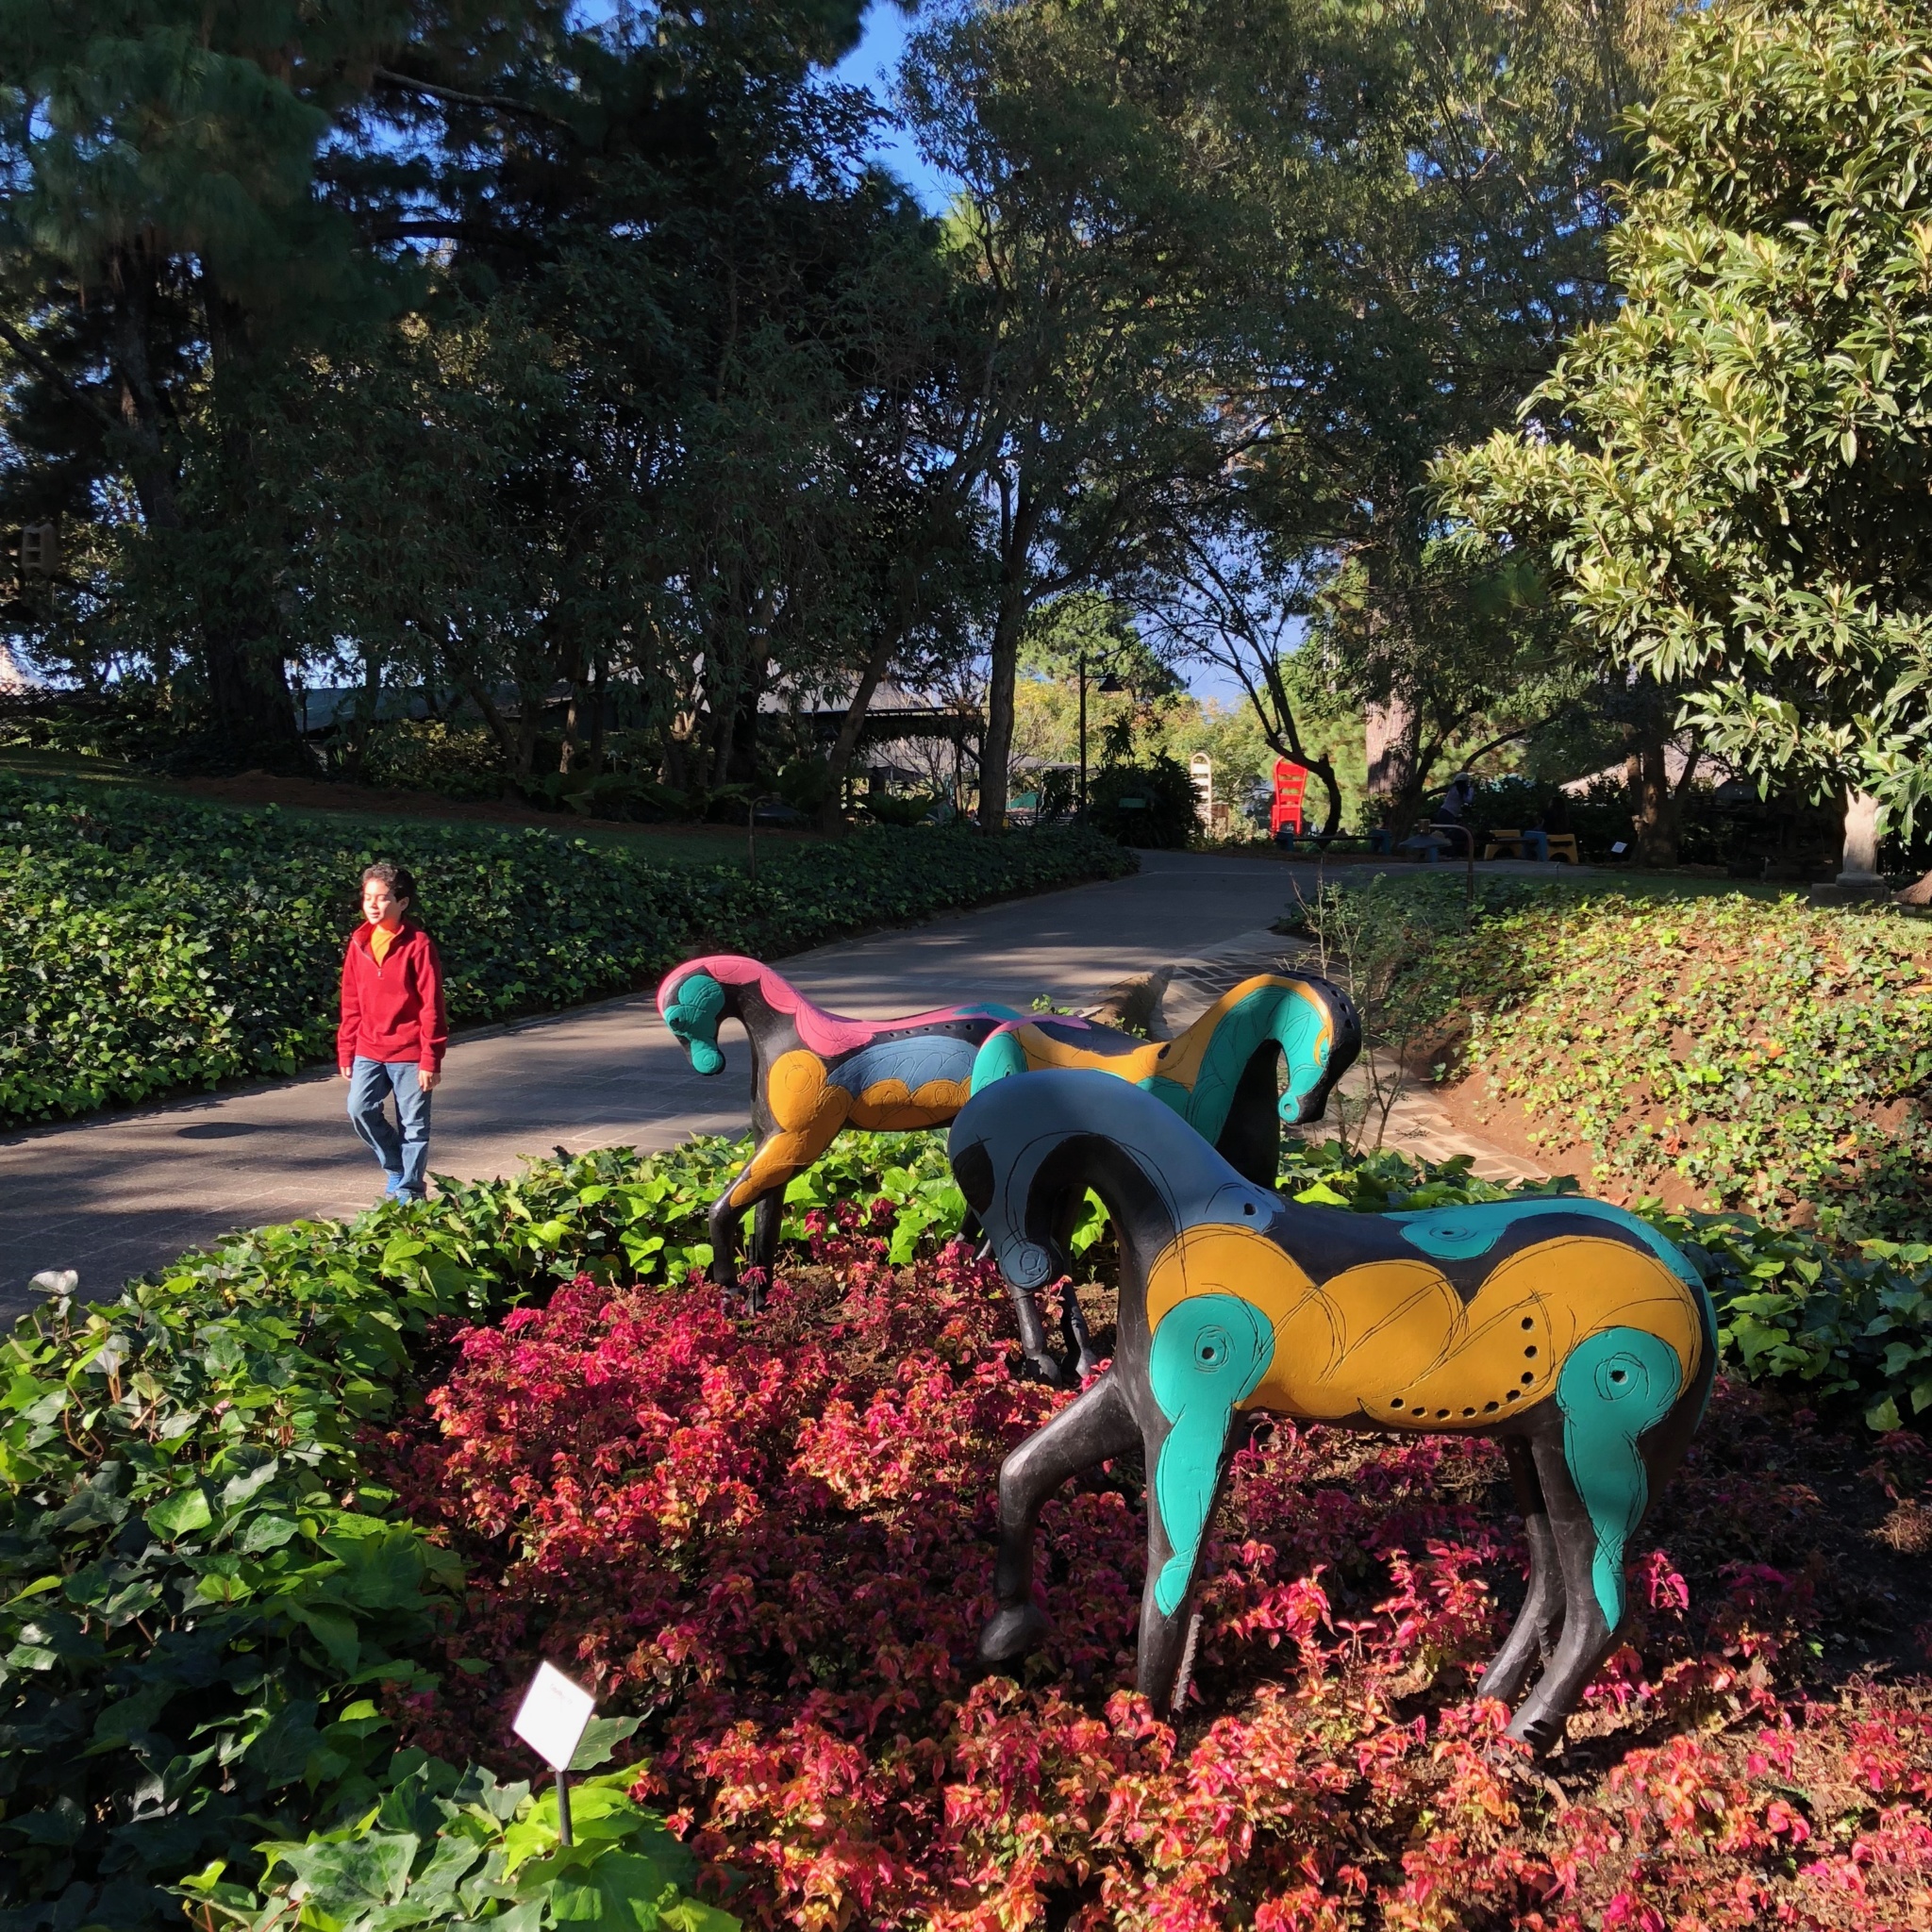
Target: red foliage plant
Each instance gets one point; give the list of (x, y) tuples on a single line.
[(772, 1540)]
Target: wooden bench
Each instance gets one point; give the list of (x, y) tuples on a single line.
[(1562, 845)]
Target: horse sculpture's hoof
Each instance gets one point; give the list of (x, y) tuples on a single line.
[(1010, 1634), (1043, 1368)]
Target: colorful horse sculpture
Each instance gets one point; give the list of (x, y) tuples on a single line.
[(1566, 1327), (812, 1074), (815, 1073), (1220, 1074)]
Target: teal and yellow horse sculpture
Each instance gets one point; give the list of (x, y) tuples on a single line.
[(1567, 1328), (1220, 1075)]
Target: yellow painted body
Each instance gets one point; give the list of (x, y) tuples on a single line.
[(810, 1109), (1179, 1060), (1392, 1341)]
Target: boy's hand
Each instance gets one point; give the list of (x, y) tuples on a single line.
[(347, 1072), (426, 1079)]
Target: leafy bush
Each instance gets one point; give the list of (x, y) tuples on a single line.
[(1152, 805), (426, 754), (149, 944), (255, 1535), (773, 1544), (210, 1611), (446, 1846), (1742, 1051)]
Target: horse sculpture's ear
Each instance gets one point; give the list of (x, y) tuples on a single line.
[(693, 1012)]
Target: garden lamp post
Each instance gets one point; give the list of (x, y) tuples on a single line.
[(1108, 685)]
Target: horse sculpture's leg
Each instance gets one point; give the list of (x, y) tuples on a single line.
[(1614, 1388), (725, 1223), (1072, 1320), (1540, 1623), (1090, 1428), (1251, 1138), (1206, 1359), (768, 1218), (1587, 1632)]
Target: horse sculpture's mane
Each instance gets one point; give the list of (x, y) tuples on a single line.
[(826, 1034)]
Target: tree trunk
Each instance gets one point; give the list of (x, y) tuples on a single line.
[(1016, 600), (251, 708), (1859, 866), (830, 816), (1918, 893), (1648, 713)]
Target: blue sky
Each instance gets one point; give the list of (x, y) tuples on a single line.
[(871, 65)]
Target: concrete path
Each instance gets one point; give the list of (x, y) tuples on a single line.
[(117, 1196)]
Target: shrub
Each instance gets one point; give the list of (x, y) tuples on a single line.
[(255, 1533), (773, 1545), (1152, 805), (427, 755), (444, 1847), (149, 944), (1747, 1052), (210, 1609)]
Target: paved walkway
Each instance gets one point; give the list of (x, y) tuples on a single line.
[(115, 1197)]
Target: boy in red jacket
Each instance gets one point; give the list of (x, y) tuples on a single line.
[(394, 1031)]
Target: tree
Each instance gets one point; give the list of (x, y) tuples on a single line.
[(1089, 244), (1730, 474)]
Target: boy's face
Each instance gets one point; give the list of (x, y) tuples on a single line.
[(380, 906)]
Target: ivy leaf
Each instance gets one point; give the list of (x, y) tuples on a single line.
[(183, 1513)]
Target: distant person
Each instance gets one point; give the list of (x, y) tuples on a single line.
[(1555, 817), (394, 1031), (1448, 814)]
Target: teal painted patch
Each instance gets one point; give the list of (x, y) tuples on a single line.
[(1001, 1055), (693, 1014), (1458, 1234), (1170, 1093), (1614, 1387), (1208, 1354)]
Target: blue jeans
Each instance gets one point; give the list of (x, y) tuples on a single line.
[(404, 1155)]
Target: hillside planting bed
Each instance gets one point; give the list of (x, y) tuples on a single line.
[(150, 945), (284, 1530)]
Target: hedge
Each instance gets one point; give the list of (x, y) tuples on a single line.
[(151, 944)]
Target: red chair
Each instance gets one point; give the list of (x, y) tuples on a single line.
[(1290, 786)]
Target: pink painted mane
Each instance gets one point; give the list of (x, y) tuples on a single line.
[(824, 1033)]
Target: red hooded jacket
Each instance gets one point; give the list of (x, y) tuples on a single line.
[(393, 1011)]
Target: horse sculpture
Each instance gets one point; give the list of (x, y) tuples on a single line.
[(1566, 1327), (815, 1073), (1219, 1075)]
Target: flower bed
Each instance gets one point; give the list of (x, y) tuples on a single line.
[(149, 944), (283, 1531), (775, 1545)]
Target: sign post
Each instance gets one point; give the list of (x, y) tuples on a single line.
[(551, 1721)]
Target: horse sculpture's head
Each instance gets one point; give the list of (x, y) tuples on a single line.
[(1021, 1148), (1313, 1069), (692, 1003)]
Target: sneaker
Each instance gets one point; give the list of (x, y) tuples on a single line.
[(393, 1189)]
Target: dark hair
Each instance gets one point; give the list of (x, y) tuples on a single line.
[(398, 878)]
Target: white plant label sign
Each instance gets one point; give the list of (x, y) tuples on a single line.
[(553, 1715)]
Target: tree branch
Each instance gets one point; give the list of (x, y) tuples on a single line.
[(454, 97), (34, 360)]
